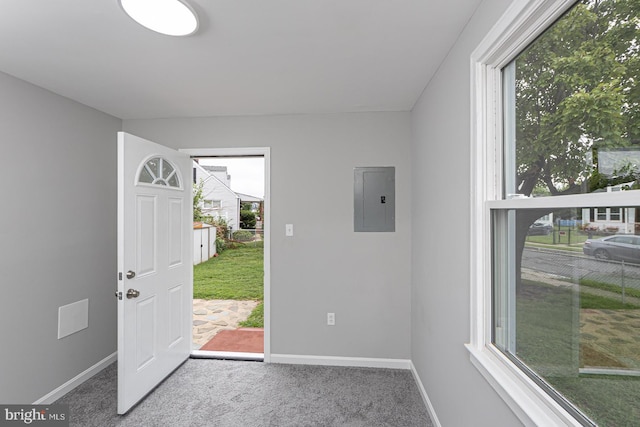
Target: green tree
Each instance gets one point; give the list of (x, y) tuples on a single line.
[(247, 219), (577, 94), (197, 199)]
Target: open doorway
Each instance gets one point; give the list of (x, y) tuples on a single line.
[(230, 310)]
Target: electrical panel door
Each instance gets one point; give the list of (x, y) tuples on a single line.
[(374, 199)]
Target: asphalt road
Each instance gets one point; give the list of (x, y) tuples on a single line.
[(575, 266)]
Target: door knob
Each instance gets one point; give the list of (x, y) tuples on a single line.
[(132, 293), (131, 274)]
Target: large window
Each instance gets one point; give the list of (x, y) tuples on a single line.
[(558, 126)]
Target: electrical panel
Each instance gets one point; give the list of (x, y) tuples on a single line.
[(374, 199)]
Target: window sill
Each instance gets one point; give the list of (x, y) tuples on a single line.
[(528, 401)]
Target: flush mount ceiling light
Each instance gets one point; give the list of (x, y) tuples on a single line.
[(170, 17)]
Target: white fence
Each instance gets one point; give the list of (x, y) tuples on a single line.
[(204, 243)]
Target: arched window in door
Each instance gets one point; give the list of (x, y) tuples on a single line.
[(159, 171)]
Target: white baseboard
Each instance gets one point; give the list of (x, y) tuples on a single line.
[(76, 381), (425, 397), (360, 362)]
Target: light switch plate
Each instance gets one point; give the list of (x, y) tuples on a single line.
[(288, 230)]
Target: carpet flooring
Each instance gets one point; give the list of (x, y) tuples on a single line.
[(223, 393), (247, 340)]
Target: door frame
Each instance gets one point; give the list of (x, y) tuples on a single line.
[(265, 152)]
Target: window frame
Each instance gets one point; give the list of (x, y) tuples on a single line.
[(214, 204), (522, 22), (611, 214), (155, 184)]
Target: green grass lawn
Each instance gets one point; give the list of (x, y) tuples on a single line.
[(577, 238), (549, 341), (236, 274), (610, 287), (256, 318)]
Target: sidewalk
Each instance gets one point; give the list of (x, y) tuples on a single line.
[(550, 280), (213, 316)]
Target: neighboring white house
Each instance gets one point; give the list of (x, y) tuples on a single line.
[(615, 219), (219, 172), (625, 220), (622, 219), (218, 200)]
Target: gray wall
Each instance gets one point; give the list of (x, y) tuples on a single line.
[(440, 249), (363, 277), (57, 237), (395, 295)]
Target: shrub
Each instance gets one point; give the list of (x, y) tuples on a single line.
[(247, 219), (242, 235), (221, 231), (220, 224), (221, 245), (197, 198)]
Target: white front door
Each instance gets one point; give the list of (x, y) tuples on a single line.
[(155, 269)]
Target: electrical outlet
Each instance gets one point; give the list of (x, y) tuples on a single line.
[(331, 319)]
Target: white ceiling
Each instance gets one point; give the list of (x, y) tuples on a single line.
[(249, 56)]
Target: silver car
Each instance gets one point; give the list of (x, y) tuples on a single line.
[(621, 247)]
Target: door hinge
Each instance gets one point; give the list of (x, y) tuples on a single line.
[(119, 295)]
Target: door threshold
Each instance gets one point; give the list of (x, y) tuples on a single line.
[(227, 355)]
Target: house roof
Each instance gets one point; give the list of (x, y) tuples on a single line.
[(248, 57), (248, 198), (214, 168), (213, 177)]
